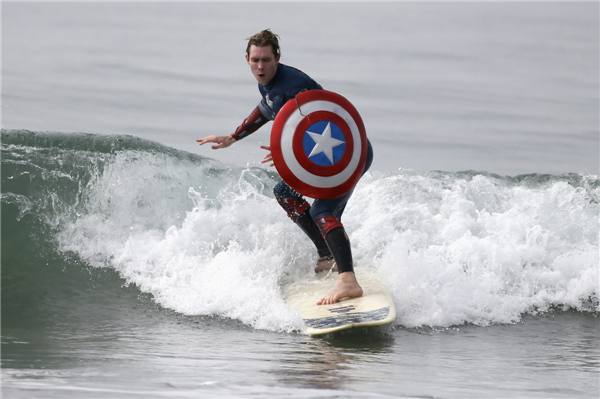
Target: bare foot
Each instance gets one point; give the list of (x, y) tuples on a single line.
[(326, 263), (346, 287)]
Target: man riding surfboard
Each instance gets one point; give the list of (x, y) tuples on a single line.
[(278, 83)]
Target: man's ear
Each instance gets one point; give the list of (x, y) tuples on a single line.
[(247, 59)]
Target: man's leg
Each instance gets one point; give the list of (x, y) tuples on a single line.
[(298, 210), (335, 235), (327, 214)]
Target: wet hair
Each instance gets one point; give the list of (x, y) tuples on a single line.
[(263, 39)]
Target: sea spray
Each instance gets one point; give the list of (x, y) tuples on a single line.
[(477, 248), (206, 238)]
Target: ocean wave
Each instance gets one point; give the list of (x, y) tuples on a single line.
[(207, 238)]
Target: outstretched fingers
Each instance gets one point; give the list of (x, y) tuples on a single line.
[(221, 141), (269, 156)]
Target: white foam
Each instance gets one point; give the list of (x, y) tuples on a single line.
[(453, 249), (477, 250), (224, 257)]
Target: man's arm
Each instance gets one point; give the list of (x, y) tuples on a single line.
[(251, 124)]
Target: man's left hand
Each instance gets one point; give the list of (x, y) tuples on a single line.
[(268, 157)]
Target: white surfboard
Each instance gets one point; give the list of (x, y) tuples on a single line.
[(374, 308)]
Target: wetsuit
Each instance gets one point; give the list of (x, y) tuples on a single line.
[(321, 221)]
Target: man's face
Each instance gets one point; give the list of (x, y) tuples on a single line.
[(263, 63)]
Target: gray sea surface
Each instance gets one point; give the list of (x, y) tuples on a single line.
[(506, 88), (135, 270)]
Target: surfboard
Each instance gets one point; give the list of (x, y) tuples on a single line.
[(374, 308)]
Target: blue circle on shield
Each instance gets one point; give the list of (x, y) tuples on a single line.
[(324, 143)]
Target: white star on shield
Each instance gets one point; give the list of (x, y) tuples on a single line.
[(324, 143)]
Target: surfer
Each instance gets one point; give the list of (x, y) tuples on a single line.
[(277, 84)]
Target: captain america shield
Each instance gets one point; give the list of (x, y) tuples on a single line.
[(319, 144)]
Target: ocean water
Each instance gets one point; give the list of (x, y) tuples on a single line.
[(130, 269), (507, 88), (135, 264)]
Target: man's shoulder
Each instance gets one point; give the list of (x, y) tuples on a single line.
[(292, 70), (294, 75)]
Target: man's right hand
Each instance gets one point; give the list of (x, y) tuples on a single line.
[(222, 141)]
